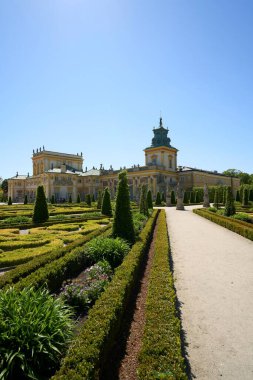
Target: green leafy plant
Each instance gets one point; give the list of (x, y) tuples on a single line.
[(88, 199), (229, 205), (109, 249), (35, 329), (25, 200), (9, 201), (143, 201), (158, 200), (149, 200), (243, 216)]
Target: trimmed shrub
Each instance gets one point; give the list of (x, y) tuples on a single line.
[(36, 272), (88, 199), (78, 199), (161, 344), (245, 198), (93, 198), (197, 197), (158, 200), (242, 216), (109, 249), (123, 220), (25, 200), (53, 199), (242, 228), (163, 197), (35, 330), (229, 206), (70, 199), (40, 212), (173, 197), (186, 198), (143, 201), (216, 199), (251, 195), (139, 221), (9, 201), (192, 197), (149, 200), (106, 208)]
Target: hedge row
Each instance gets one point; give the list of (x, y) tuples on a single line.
[(29, 268), (89, 350), (26, 226), (160, 355), (238, 226)]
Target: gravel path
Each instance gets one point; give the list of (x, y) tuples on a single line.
[(213, 269)]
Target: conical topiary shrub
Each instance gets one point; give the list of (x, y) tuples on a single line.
[(238, 196), (53, 199), (78, 200), (229, 206), (186, 197), (245, 198), (192, 197), (143, 201), (25, 200), (251, 195), (9, 201), (216, 199), (70, 198), (123, 220), (163, 197), (158, 200), (149, 200), (88, 199), (40, 212), (173, 197), (106, 203)]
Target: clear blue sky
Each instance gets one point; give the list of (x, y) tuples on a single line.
[(93, 76)]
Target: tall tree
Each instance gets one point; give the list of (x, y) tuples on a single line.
[(40, 211), (123, 220), (106, 203)]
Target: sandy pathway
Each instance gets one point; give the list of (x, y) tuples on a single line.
[(214, 282)]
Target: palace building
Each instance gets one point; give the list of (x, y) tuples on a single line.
[(62, 174)]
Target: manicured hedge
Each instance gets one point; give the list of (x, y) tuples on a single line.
[(160, 356), (238, 226), (92, 345), (29, 268)]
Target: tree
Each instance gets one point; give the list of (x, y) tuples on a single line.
[(123, 220), (99, 201), (4, 186), (143, 201), (158, 199), (25, 200), (78, 199), (88, 199), (163, 197), (245, 178), (93, 198), (149, 200), (197, 198), (70, 198), (40, 211), (106, 203), (173, 198), (52, 199), (229, 206), (232, 172), (9, 201), (245, 198)]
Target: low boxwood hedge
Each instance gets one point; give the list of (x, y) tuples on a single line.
[(89, 350), (160, 356), (242, 228), (29, 268)]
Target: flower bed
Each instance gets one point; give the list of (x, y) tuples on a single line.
[(92, 345)]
